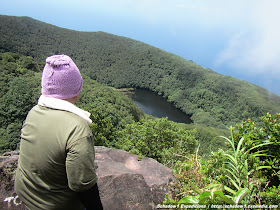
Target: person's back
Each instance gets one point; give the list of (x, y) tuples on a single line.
[(56, 164)]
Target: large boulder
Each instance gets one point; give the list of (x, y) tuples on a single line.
[(126, 181)]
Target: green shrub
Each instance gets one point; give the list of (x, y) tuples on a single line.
[(266, 132), (190, 177), (161, 139), (271, 196)]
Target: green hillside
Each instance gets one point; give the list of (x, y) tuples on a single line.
[(20, 88), (210, 98)]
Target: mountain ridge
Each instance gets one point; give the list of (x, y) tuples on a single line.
[(210, 98)]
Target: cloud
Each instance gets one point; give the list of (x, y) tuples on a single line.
[(257, 48)]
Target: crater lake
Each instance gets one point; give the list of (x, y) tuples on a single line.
[(157, 106)]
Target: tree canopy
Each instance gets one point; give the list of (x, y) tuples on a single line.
[(211, 98), (20, 88)]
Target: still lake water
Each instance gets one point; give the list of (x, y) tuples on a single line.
[(157, 106)]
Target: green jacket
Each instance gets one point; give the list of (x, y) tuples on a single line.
[(56, 159)]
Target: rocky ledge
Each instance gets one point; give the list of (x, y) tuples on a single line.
[(126, 181)]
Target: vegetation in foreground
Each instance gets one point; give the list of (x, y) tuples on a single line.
[(245, 174)]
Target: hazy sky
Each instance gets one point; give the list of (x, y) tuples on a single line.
[(240, 38)]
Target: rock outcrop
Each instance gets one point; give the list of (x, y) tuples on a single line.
[(125, 180)]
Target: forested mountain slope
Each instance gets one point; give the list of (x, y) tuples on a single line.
[(211, 98), (20, 88)]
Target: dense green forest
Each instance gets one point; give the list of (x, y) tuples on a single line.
[(20, 88), (240, 167), (211, 99)]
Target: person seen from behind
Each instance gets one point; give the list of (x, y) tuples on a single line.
[(56, 167)]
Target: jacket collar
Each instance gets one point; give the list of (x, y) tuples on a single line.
[(60, 104)]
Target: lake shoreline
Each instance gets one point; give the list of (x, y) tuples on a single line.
[(126, 91), (153, 104)]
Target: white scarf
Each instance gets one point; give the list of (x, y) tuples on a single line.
[(60, 104)]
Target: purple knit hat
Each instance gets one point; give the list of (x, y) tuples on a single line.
[(61, 78)]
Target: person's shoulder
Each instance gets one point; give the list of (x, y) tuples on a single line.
[(69, 119), (77, 123)]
